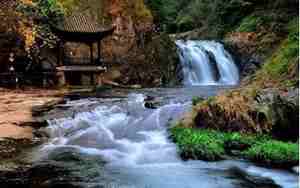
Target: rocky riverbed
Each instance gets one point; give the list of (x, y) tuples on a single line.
[(20, 119)]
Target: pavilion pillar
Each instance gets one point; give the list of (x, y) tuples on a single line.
[(92, 60), (99, 52), (63, 51), (91, 53), (58, 53)]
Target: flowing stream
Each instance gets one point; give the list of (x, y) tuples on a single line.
[(207, 63), (122, 144)]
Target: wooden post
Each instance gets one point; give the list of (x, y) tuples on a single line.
[(99, 52), (92, 81), (92, 62), (61, 78), (63, 52), (91, 53), (58, 53)]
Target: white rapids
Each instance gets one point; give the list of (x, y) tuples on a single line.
[(134, 143)]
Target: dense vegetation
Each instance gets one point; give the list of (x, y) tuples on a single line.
[(213, 145), (216, 16)]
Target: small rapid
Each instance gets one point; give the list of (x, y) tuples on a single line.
[(206, 63), (137, 153)]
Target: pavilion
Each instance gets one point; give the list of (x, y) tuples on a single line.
[(81, 29)]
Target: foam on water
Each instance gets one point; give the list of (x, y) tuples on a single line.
[(134, 142), (198, 68)]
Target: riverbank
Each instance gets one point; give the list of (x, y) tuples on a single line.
[(17, 110), (20, 119)]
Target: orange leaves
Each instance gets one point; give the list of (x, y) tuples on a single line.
[(28, 32), (27, 2)]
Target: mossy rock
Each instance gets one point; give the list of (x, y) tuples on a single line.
[(162, 57), (200, 145), (249, 24), (211, 145), (274, 153)]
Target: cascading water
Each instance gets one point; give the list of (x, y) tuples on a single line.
[(133, 142), (206, 63)]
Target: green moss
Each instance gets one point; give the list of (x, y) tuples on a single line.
[(197, 100), (185, 23), (249, 24), (103, 88), (274, 153), (211, 145), (200, 144), (278, 65)]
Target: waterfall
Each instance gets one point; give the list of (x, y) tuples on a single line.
[(206, 63)]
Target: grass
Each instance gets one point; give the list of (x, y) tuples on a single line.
[(274, 153), (211, 145), (197, 100), (249, 24), (205, 145), (283, 62)]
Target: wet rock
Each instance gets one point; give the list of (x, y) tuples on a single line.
[(161, 54), (150, 105), (213, 64), (63, 168), (41, 109), (10, 148), (243, 47), (296, 169), (152, 102), (235, 148), (42, 175), (281, 113), (252, 181)]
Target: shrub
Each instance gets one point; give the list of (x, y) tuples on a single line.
[(278, 65), (200, 144), (211, 145), (274, 153), (197, 100), (249, 24)]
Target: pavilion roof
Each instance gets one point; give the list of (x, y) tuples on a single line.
[(80, 23), (81, 28)]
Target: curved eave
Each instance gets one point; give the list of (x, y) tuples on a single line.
[(84, 37)]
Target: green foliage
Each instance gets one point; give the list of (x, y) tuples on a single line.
[(197, 100), (103, 88), (43, 12), (49, 8), (274, 153), (165, 12), (249, 24), (217, 17), (211, 145), (185, 23), (205, 145), (278, 65), (181, 15), (43, 9)]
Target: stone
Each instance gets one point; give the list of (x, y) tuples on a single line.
[(61, 78), (296, 169), (252, 180), (213, 64), (280, 112)]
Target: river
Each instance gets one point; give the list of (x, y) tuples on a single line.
[(113, 141)]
